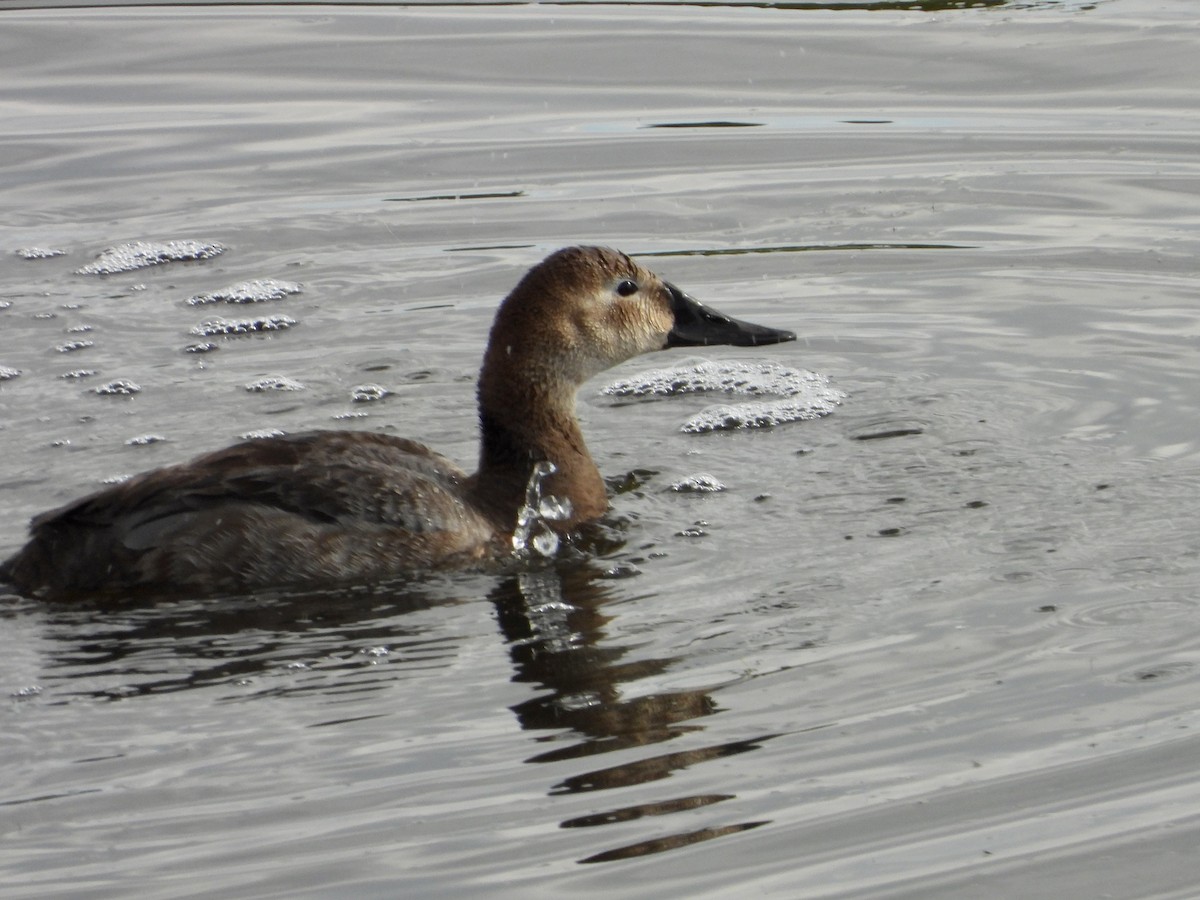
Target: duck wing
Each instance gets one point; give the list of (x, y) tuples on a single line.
[(316, 505)]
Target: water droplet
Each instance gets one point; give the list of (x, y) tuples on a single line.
[(532, 530)]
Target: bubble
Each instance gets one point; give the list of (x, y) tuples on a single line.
[(802, 394), (368, 393), (260, 290), (243, 326), (139, 254), (120, 387), (40, 252), (699, 483), (274, 383), (72, 346)]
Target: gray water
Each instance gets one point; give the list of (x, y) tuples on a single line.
[(944, 642)]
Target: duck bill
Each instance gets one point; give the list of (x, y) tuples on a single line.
[(697, 325)]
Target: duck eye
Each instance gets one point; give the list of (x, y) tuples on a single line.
[(626, 288)]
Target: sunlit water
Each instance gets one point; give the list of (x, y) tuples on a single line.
[(932, 630)]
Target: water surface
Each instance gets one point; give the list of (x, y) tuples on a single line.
[(941, 642)]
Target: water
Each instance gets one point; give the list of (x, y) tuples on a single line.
[(940, 642)]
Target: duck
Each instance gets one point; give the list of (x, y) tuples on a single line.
[(325, 508)]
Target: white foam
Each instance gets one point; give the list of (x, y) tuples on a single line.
[(801, 394), (243, 326), (139, 254), (260, 290), (368, 393), (274, 383), (120, 387), (699, 483), (40, 252)]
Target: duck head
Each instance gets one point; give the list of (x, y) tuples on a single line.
[(580, 311), (585, 309)]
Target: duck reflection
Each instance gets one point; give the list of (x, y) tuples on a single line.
[(554, 621), (115, 650)]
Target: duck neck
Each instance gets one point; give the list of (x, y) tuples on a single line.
[(519, 428)]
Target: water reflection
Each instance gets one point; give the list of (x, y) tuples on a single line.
[(113, 651), (554, 622)]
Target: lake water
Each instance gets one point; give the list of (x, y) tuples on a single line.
[(944, 642)]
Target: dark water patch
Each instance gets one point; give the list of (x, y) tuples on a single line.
[(655, 768), (1159, 673), (672, 842), (801, 248), (479, 195), (715, 124), (887, 434), (630, 813)]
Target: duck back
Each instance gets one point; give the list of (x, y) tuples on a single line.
[(327, 506)]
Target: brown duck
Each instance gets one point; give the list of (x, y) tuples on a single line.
[(330, 507)]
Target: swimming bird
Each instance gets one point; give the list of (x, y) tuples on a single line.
[(343, 507)]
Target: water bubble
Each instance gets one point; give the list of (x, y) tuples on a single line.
[(120, 387), (72, 346), (40, 252), (368, 393), (699, 483), (243, 326), (144, 439), (7, 373), (139, 254), (274, 383), (258, 291), (802, 394), (258, 433), (545, 543)]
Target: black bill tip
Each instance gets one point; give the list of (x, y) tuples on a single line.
[(697, 325)]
